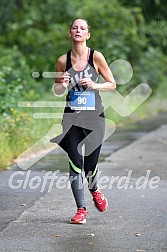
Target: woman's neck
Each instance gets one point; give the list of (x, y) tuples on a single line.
[(79, 50)]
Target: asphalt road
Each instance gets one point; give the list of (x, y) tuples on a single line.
[(134, 179)]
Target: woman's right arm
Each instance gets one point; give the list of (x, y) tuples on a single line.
[(62, 79)]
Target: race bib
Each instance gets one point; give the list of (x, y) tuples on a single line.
[(80, 100)]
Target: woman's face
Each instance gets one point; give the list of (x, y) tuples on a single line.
[(79, 31)]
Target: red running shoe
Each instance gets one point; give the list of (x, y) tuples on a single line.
[(100, 201), (79, 217)]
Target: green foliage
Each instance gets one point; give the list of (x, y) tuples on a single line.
[(156, 34), (114, 28), (154, 72), (7, 9), (154, 9), (16, 130), (16, 82), (14, 135), (5, 151), (119, 30)]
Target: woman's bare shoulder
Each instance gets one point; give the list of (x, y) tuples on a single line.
[(62, 59), (61, 62), (98, 55), (99, 60)]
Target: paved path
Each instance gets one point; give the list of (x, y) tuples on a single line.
[(136, 220)]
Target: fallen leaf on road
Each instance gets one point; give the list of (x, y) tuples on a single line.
[(56, 235), (91, 234), (137, 234)]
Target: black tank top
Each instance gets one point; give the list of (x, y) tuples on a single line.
[(88, 71)]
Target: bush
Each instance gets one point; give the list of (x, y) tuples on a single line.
[(16, 82), (5, 151), (16, 128), (151, 70)]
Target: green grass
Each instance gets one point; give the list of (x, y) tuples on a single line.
[(5, 151), (20, 131)]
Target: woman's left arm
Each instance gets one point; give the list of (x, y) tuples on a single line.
[(104, 70)]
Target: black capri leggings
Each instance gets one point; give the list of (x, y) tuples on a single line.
[(82, 138)]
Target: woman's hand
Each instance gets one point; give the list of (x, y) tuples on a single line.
[(88, 83), (65, 79)]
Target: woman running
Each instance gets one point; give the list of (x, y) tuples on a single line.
[(83, 119)]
